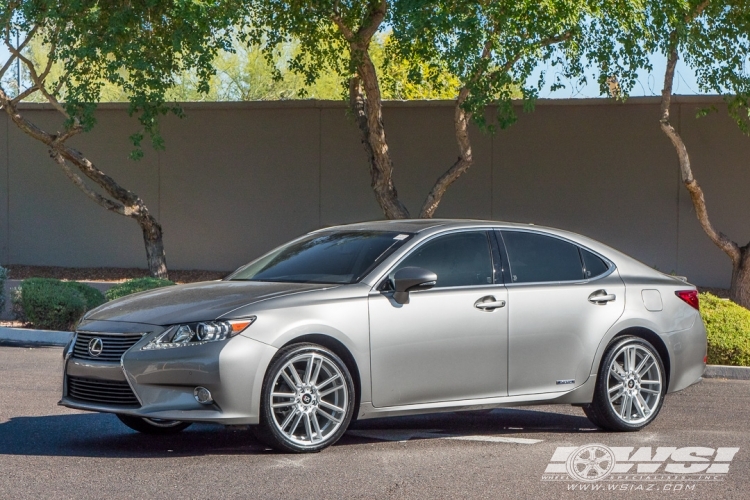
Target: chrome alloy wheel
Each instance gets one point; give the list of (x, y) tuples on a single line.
[(309, 398), (634, 385)]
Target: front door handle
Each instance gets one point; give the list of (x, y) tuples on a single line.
[(489, 303), (601, 297)]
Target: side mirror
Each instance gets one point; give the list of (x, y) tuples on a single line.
[(409, 279)]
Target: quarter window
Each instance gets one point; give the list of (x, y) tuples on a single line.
[(536, 258), (460, 259), (593, 266)]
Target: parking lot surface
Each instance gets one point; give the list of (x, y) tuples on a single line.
[(47, 450)]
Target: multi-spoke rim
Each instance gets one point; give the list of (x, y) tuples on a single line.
[(309, 398), (634, 384)]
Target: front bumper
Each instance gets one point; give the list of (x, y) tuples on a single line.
[(163, 381)]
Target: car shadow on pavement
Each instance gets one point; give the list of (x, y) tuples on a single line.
[(102, 435)]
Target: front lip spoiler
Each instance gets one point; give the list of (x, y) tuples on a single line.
[(210, 414)]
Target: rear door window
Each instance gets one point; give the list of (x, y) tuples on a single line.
[(537, 258)]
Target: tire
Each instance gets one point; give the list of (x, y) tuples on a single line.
[(591, 415), (637, 392), (153, 425), (307, 400)]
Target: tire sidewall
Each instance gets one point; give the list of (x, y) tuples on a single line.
[(269, 431), (602, 404)]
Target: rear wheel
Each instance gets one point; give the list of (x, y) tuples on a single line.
[(630, 386), (307, 400), (153, 425)]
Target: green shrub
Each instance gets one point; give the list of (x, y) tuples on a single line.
[(3, 277), (94, 298), (17, 304), (728, 328), (51, 304), (135, 285)]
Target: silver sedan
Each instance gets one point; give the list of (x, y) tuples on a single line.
[(394, 318)]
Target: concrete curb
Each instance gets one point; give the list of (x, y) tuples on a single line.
[(29, 337), (723, 371)]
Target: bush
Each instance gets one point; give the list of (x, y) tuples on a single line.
[(94, 298), (17, 305), (53, 304), (135, 285), (3, 277), (728, 328)]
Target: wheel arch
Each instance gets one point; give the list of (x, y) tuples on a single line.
[(342, 352), (651, 337)]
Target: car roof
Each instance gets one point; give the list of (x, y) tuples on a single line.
[(419, 225)]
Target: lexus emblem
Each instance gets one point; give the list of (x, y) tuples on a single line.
[(96, 346)]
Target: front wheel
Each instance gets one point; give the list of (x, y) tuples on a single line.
[(307, 400), (630, 386), (153, 425)]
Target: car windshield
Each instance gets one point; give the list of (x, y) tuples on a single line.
[(339, 257)]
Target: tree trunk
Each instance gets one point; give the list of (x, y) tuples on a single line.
[(120, 201), (465, 159), (739, 291), (367, 110), (152, 238)]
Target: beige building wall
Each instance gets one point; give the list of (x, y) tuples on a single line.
[(237, 179)]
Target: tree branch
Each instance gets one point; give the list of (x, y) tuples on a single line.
[(134, 206), (696, 193), (39, 83), (20, 48), (76, 179)]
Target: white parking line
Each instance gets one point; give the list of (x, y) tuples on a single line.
[(496, 439), (407, 434)]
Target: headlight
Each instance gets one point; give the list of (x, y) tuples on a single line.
[(199, 333)]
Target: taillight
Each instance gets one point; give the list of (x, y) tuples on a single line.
[(690, 297)]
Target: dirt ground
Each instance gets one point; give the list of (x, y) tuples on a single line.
[(106, 274)]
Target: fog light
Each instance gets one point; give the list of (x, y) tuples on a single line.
[(203, 396)]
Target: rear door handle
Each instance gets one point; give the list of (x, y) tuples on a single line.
[(489, 303), (601, 297)]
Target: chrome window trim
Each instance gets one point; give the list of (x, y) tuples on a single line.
[(610, 265)]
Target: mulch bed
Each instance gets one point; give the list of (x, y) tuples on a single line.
[(114, 274)]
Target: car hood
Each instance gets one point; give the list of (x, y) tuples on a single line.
[(193, 302)]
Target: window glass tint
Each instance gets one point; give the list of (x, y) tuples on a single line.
[(535, 257), (460, 259), (331, 257), (593, 265)]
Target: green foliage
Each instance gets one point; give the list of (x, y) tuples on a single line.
[(52, 304), (135, 285), (3, 277), (491, 48), (137, 48), (322, 54), (728, 329), (711, 38), (94, 298)]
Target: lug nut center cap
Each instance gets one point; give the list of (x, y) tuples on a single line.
[(307, 399)]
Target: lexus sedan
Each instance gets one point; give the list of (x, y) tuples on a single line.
[(394, 318)]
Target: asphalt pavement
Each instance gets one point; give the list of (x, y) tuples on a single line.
[(49, 451)]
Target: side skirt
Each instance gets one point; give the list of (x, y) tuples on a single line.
[(582, 394)]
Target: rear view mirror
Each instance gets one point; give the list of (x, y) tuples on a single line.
[(409, 279)]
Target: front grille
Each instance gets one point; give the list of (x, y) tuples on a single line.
[(113, 345), (107, 392)]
